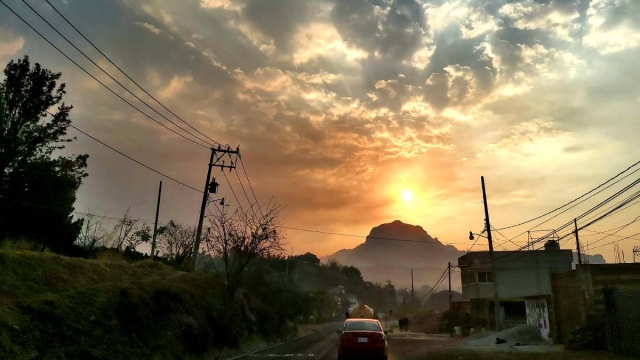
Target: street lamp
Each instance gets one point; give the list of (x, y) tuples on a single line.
[(221, 201), (472, 237)]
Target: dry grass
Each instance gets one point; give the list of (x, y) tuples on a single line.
[(56, 307)]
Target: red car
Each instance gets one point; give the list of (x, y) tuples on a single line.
[(362, 337)]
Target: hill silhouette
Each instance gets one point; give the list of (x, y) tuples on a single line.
[(391, 250)]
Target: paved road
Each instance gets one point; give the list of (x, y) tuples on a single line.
[(318, 346), (324, 345)]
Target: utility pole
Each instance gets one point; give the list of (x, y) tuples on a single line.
[(155, 224), (450, 295), (496, 299), (412, 293), (636, 252), (217, 154), (575, 224)]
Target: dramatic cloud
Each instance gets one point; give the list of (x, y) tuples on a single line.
[(340, 105)]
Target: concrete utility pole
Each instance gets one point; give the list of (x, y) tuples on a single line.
[(575, 224), (496, 300), (450, 295), (155, 224), (216, 160)]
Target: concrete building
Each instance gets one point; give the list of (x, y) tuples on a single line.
[(524, 287), (603, 299)]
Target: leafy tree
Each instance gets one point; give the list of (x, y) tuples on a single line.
[(351, 272), (37, 189), (308, 259), (140, 236)]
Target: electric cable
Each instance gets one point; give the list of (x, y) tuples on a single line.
[(615, 241), (134, 160), (250, 186), (65, 211), (109, 75), (96, 79), (245, 194), (573, 206), (127, 75), (570, 202)]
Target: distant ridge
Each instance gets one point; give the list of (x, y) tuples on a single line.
[(379, 258)]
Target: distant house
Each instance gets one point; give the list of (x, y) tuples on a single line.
[(524, 288)]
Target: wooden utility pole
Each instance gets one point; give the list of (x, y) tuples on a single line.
[(205, 198), (496, 299), (450, 295), (217, 154), (155, 224), (412, 293), (575, 224)]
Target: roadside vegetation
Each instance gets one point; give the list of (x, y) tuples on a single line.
[(73, 287)]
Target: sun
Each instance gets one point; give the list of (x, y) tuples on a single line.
[(406, 195)]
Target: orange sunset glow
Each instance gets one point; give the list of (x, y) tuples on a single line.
[(355, 113)]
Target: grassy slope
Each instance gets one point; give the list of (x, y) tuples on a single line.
[(58, 307)]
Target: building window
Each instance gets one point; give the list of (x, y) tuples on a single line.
[(485, 277), (468, 277)]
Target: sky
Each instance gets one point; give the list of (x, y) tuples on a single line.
[(353, 113)]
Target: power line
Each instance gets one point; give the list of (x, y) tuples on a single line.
[(109, 75), (65, 211), (474, 244), (604, 202), (573, 206), (506, 238), (245, 194), (96, 79), (572, 201), (617, 231), (128, 77), (615, 241), (233, 192), (442, 277), (250, 186), (136, 161), (608, 232)]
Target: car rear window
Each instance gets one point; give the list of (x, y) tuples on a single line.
[(362, 326)]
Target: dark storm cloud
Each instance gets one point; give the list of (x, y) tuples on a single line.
[(278, 19), (394, 31)]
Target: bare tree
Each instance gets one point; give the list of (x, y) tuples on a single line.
[(238, 237), (93, 232), (176, 241), (125, 228)]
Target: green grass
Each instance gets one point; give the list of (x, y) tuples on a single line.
[(55, 307)]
